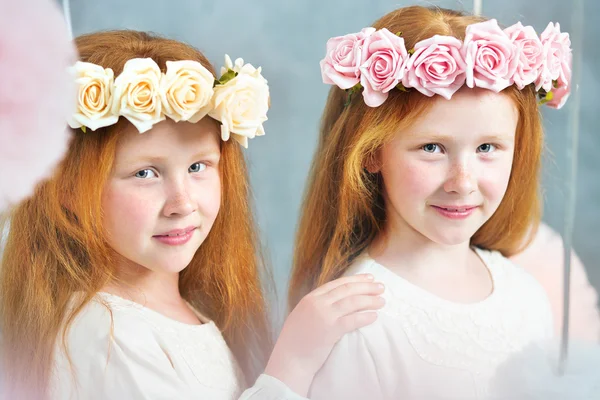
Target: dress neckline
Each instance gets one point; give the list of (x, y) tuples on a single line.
[(404, 288), (114, 299)]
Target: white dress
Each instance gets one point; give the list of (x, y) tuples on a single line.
[(423, 347), (147, 355)]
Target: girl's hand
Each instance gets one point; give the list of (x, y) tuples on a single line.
[(319, 320)]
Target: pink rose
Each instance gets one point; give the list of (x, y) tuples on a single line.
[(560, 97), (490, 55), (384, 57), (341, 64), (436, 67), (557, 54), (562, 92), (530, 54)]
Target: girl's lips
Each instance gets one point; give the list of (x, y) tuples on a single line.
[(177, 232), (455, 212), (176, 237)]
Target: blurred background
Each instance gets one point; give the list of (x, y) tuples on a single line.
[(287, 38)]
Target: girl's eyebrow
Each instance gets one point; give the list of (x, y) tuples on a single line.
[(498, 137), (437, 137), (157, 159)]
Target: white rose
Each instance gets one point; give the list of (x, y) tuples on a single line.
[(241, 104), (94, 97), (137, 93), (186, 90), (241, 68)]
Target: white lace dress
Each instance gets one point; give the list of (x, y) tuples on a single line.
[(423, 347), (147, 355)]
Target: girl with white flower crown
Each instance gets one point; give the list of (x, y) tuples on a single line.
[(426, 176), (133, 272)]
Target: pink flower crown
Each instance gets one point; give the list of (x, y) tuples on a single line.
[(377, 61)]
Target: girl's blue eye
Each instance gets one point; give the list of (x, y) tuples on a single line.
[(145, 173), (197, 167), (486, 148), (431, 148)]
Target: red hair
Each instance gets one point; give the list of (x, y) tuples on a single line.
[(343, 206), (56, 245)]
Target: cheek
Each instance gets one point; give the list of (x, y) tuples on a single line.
[(125, 209), (406, 178), (494, 181), (209, 198)]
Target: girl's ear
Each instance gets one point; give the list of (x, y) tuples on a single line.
[(373, 162)]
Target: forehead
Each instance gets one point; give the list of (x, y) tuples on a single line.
[(168, 137), (470, 112)]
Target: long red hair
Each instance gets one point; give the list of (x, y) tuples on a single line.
[(56, 245), (343, 206)]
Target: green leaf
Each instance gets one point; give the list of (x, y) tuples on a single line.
[(547, 98), (227, 76), (348, 100), (399, 34), (84, 129), (411, 51), (354, 89), (401, 87)]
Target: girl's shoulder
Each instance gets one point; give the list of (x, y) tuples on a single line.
[(517, 287), (362, 264), (506, 272), (105, 321)]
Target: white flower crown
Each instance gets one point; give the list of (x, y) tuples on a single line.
[(144, 95)]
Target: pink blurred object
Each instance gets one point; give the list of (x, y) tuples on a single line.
[(544, 260), (36, 94)]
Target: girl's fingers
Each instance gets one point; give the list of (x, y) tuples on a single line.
[(355, 321), (353, 289), (329, 286), (354, 304)]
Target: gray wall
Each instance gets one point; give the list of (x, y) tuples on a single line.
[(288, 39)]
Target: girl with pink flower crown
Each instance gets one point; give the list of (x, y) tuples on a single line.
[(426, 176), (133, 272)]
